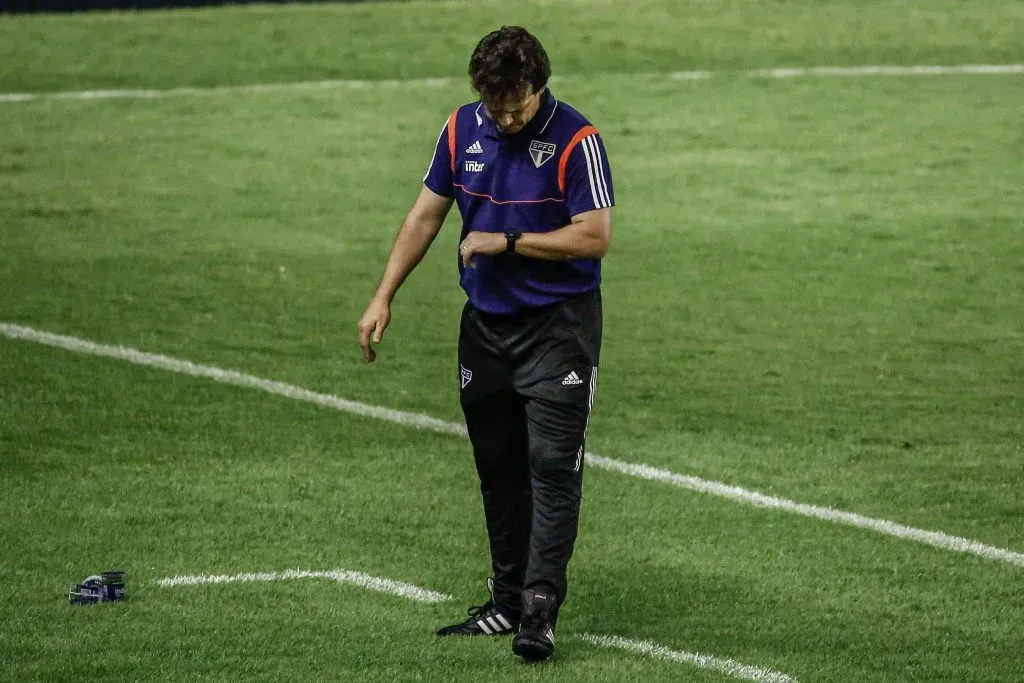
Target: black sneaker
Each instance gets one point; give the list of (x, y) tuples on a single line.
[(489, 619), (535, 639)]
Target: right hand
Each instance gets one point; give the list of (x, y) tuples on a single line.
[(372, 326)]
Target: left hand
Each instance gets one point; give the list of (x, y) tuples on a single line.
[(486, 243)]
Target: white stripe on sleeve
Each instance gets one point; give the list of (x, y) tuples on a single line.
[(602, 182), (594, 171), (590, 174)]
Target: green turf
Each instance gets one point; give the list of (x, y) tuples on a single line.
[(415, 39), (813, 291)]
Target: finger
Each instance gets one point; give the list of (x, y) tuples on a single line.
[(371, 355), (364, 342), (378, 332)]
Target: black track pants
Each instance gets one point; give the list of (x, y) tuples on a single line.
[(528, 386)]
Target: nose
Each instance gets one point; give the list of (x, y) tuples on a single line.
[(506, 120)]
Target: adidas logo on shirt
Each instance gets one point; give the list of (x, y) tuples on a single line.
[(475, 148), (571, 379)]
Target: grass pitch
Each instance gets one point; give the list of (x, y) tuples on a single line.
[(813, 291)]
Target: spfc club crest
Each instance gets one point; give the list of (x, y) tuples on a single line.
[(467, 375), (541, 152)]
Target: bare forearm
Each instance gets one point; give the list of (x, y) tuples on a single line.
[(413, 239), (574, 241)]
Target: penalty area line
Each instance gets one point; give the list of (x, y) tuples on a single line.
[(936, 539), (373, 583), (728, 667), (695, 75)]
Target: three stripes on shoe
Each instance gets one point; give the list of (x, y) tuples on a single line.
[(496, 623)]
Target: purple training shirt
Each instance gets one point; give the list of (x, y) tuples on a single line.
[(533, 181)]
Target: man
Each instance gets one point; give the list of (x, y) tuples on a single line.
[(534, 188)]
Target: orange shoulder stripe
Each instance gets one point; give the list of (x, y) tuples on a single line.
[(563, 161), (451, 137)]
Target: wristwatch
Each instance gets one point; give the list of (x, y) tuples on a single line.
[(510, 241)]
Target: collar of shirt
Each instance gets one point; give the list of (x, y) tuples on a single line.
[(536, 126)]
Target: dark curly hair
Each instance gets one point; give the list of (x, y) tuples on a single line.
[(509, 62)]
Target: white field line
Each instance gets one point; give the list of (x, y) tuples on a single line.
[(373, 583), (215, 89), (797, 72), (725, 666), (934, 538), (426, 422), (231, 377), (969, 69)]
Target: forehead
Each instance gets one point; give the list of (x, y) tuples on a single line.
[(514, 102)]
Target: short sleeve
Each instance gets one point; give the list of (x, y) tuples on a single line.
[(588, 177), (439, 173)]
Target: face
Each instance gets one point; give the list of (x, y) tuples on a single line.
[(512, 113)]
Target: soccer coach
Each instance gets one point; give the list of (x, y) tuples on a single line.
[(532, 182)]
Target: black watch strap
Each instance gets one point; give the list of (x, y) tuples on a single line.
[(510, 241)]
